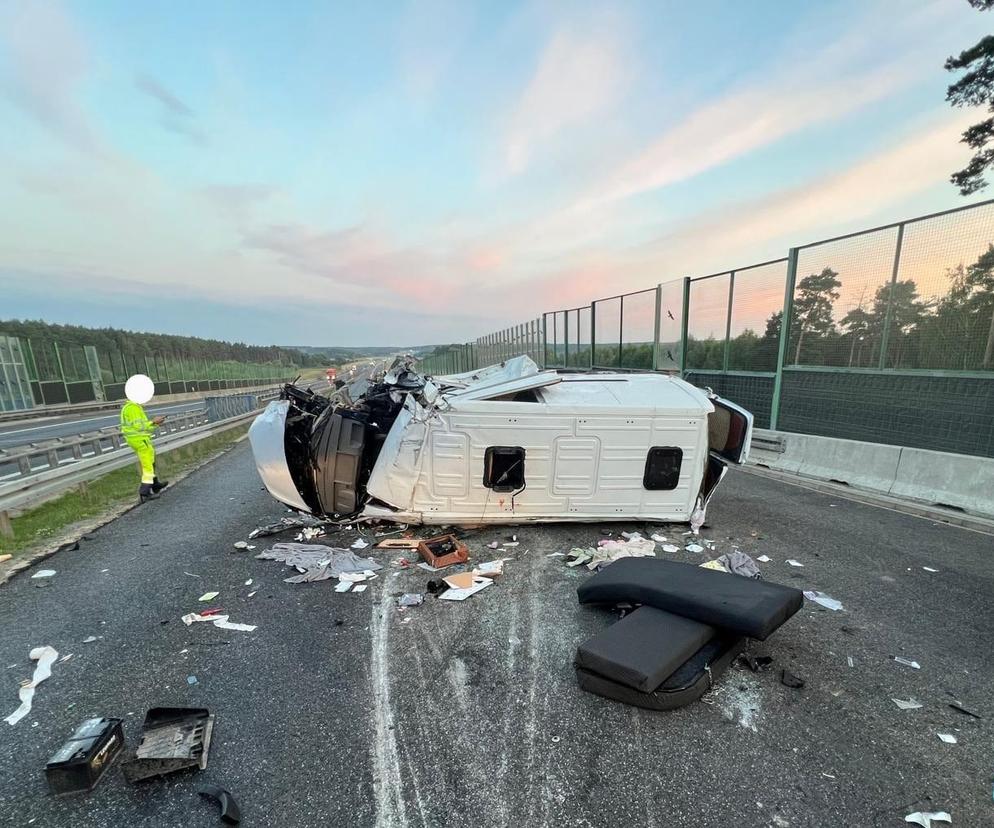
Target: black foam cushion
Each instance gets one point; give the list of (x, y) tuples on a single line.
[(691, 680), (644, 648), (730, 602)]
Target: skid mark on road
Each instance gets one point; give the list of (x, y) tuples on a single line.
[(387, 782)]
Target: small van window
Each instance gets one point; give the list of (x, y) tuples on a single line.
[(504, 468), (662, 468)]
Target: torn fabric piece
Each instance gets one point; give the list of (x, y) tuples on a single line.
[(317, 562), (45, 656), (739, 563)]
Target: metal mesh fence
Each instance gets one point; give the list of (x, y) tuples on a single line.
[(890, 334)]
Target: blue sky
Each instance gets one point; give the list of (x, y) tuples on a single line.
[(403, 173)]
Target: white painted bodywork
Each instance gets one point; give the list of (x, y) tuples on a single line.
[(266, 437), (585, 440)]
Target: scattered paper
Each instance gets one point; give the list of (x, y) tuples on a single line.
[(926, 818), (929, 569), (669, 547), (948, 738), (694, 547), (220, 621), (45, 656), (44, 573), (907, 662), (359, 587), (907, 704), (491, 568), (343, 586), (792, 562), (824, 600), (763, 559), (357, 577), (461, 594), (360, 544), (248, 582), (208, 596), (659, 538)]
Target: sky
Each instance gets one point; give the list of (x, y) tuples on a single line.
[(403, 173)]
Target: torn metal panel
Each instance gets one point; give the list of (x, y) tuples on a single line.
[(513, 443)]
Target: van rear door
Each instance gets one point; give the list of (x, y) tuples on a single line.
[(729, 431)]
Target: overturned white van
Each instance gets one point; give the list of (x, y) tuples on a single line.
[(510, 443)]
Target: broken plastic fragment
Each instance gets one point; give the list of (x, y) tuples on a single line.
[(763, 559), (669, 547), (343, 586), (693, 547), (410, 599), (44, 573), (929, 569), (948, 738), (230, 814), (907, 662), (359, 588), (926, 818), (89, 639), (822, 599), (208, 596), (907, 704), (792, 562)]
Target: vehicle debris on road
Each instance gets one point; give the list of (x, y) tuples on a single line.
[(45, 658), (301, 522), (44, 573), (219, 621), (907, 662), (316, 562), (926, 818), (410, 599), (230, 813), (609, 550), (907, 704), (172, 739), (79, 764), (823, 600)]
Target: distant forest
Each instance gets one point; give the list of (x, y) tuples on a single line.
[(110, 340)]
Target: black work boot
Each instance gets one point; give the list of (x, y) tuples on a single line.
[(146, 493), (157, 486)]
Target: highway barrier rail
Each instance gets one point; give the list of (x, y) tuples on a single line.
[(32, 474)]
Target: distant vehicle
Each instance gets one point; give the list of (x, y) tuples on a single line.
[(506, 444), (331, 374)]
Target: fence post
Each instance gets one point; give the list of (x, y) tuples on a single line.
[(684, 314), (785, 316), (656, 328), (62, 373), (890, 298), (621, 328), (728, 321)]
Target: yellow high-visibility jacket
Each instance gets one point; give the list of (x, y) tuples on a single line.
[(136, 427)]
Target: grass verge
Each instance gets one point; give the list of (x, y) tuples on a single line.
[(37, 526)]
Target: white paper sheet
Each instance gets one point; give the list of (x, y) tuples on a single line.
[(45, 656), (463, 594)]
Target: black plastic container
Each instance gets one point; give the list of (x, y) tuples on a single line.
[(78, 765)]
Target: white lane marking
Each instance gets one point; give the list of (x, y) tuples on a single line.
[(112, 417), (387, 781)]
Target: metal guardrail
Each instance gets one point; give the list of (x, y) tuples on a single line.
[(35, 484)]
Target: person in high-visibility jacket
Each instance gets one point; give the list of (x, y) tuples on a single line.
[(137, 430)]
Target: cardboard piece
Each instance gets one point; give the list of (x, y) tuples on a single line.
[(399, 543), (461, 580)]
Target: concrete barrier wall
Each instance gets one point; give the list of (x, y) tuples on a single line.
[(932, 477)]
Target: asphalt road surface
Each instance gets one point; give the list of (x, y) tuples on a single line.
[(342, 710)]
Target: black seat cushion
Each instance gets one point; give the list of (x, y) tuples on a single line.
[(691, 680), (644, 648), (729, 602)]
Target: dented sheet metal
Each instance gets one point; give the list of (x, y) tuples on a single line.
[(510, 443)]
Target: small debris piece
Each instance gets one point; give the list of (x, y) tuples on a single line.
[(669, 547), (191, 574), (443, 550), (659, 538), (219, 621), (78, 765), (960, 709), (788, 679), (756, 663), (461, 580), (508, 544), (694, 547), (360, 544), (822, 599), (89, 639), (763, 559), (248, 582), (929, 569), (907, 662), (792, 562), (343, 586), (490, 569), (926, 818), (436, 587), (556, 555), (398, 543), (4, 558), (208, 596), (230, 815), (850, 661), (410, 599), (45, 656), (359, 587), (492, 545), (251, 594), (948, 738), (191, 680), (240, 545), (907, 704), (461, 594), (44, 573)]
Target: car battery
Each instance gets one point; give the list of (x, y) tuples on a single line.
[(78, 765)]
